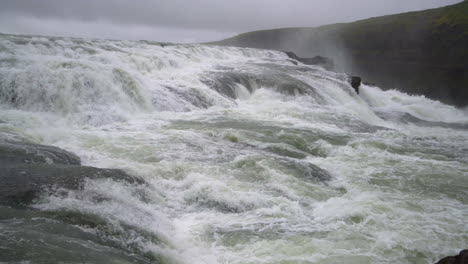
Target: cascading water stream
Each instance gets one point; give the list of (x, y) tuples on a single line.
[(240, 156)]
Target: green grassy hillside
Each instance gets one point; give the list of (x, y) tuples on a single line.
[(424, 52)]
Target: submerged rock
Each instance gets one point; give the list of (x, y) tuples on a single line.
[(327, 64), (227, 83), (31, 236), (291, 55), (294, 62), (18, 152), (21, 184), (306, 171), (461, 258), (407, 118), (27, 170), (321, 61)]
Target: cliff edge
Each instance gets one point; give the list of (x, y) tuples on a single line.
[(423, 52)]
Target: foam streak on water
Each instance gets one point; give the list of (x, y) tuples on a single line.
[(248, 158)]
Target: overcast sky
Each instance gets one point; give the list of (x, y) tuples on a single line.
[(186, 20)]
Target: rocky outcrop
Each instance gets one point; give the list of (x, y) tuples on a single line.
[(21, 184), (461, 258), (292, 55), (421, 52), (326, 63), (15, 152), (28, 170), (321, 61), (355, 82)]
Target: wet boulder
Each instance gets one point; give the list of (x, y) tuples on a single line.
[(355, 82), (321, 61), (21, 184), (19, 152), (306, 171), (461, 258), (28, 170), (292, 55)]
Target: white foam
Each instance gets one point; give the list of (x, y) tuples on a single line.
[(216, 192), (418, 106)]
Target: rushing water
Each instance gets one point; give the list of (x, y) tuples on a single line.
[(247, 158)]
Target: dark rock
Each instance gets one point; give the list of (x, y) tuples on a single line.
[(27, 170), (321, 61), (308, 172), (292, 55), (21, 184), (462, 258), (355, 82), (18, 152), (286, 152), (447, 260)]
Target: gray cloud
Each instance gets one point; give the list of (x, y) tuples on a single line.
[(187, 20)]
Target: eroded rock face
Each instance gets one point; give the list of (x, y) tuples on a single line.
[(461, 258), (28, 170), (321, 61), (421, 52), (292, 55), (355, 82)]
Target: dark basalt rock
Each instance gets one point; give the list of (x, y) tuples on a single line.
[(28, 170), (355, 82), (22, 183), (461, 258), (292, 55), (321, 61), (18, 152)]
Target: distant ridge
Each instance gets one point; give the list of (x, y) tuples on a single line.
[(423, 52)]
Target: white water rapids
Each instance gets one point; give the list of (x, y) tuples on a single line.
[(248, 158)]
